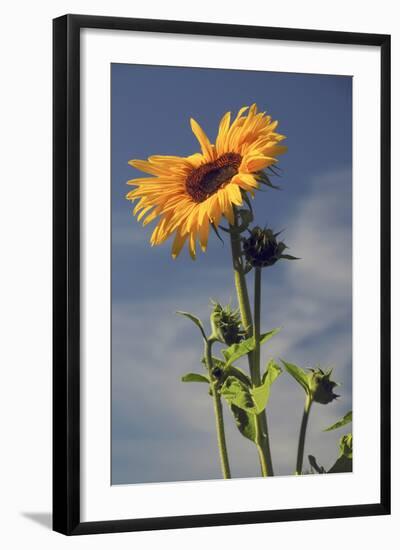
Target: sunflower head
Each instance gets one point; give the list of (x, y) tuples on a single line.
[(188, 194)]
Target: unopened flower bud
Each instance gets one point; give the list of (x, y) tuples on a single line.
[(226, 325), (217, 372), (321, 386), (262, 249)]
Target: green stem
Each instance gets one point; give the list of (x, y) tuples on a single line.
[(257, 367), (240, 280), (219, 418), (246, 317), (302, 436), (257, 323)]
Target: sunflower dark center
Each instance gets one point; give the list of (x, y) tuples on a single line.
[(208, 178)]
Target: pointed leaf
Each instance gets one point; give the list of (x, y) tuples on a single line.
[(245, 422), (236, 351), (238, 394), (298, 374), (194, 377), (263, 178), (275, 170), (238, 373), (346, 446), (268, 335), (344, 463), (348, 417), (195, 320), (314, 465), (261, 393), (272, 371), (289, 257)]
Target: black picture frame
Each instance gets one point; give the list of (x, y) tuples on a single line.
[(66, 271)]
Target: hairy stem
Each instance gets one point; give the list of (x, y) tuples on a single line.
[(219, 418), (302, 435)]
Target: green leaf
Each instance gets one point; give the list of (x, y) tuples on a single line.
[(272, 371), (260, 396), (263, 178), (194, 377), (237, 373), (314, 465), (268, 335), (245, 422), (346, 446), (252, 400), (261, 393), (348, 417), (238, 394), (195, 320), (344, 463), (289, 257), (236, 351), (298, 374)]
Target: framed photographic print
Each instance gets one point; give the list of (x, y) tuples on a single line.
[(221, 274)]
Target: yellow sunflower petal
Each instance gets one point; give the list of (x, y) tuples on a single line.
[(214, 210), (142, 181), (235, 195), (277, 150), (246, 181), (192, 245), (229, 213), (146, 166), (192, 219), (196, 160), (255, 164), (178, 243), (220, 143), (203, 234), (203, 140), (143, 212), (152, 216)]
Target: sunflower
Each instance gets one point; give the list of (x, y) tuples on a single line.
[(187, 194)]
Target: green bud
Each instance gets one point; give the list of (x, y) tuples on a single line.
[(321, 386), (217, 372), (226, 325), (262, 249)]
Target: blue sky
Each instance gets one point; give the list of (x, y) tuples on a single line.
[(162, 429)]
